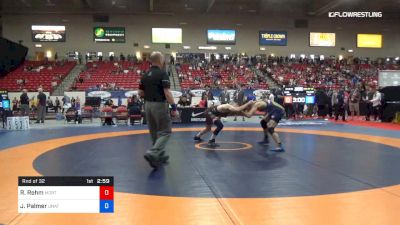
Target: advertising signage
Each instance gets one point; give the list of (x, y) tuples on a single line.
[(166, 35), (369, 40), (109, 34), (322, 39), (44, 33), (225, 37), (273, 38)]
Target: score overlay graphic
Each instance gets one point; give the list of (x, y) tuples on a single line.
[(65, 194)]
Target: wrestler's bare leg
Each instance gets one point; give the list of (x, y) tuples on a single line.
[(204, 131), (235, 109)]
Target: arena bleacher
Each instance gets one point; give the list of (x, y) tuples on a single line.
[(33, 74), (118, 74), (325, 74), (218, 75)]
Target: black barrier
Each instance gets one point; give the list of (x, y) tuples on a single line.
[(392, 103), (189, 115), (11, 55), (4, 114), (390, 110)]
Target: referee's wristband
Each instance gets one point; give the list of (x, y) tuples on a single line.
[(173, 106)]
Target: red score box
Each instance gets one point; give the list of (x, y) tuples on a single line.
[(106, 192)]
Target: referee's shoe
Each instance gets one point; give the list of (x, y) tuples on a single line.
[(156, 160)]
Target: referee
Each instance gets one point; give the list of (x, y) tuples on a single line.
[(154, 88)]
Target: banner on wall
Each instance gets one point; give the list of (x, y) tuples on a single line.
[(109, 34), (197, 92), (322, 39), (101, 94), (42, 33), (227, 37), (122, 94), (129, 94), (260, 93), (166, 35), (4, 94), (273, 38), (176, 94), (369, 40)]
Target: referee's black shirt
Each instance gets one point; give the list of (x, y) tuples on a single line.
[(153, 84)]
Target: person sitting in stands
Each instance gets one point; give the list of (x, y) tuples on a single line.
[(183, 102), (14, 104), (49, 104), (135, 107), (203, 102)]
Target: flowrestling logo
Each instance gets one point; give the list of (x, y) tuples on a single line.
[(355, 14)]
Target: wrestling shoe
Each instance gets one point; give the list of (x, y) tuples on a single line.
[(279, 149), (198, 139), (264, 142), (211, 143)]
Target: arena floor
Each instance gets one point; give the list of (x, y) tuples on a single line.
[(331, 174)]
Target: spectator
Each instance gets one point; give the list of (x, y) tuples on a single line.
[(329, 100), (49, 104), (73, 102), (14, 104), (339, 104), (34, 104), (240, 99), (203, 102), (183, 102), (41, 112), (135, 107), (376, 103), (271, 96), (24, 101), (66, 102), (57, 105), (354, 103), (224, 97), (119, 100), (322, 99), (77, 103), (368, 97)]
